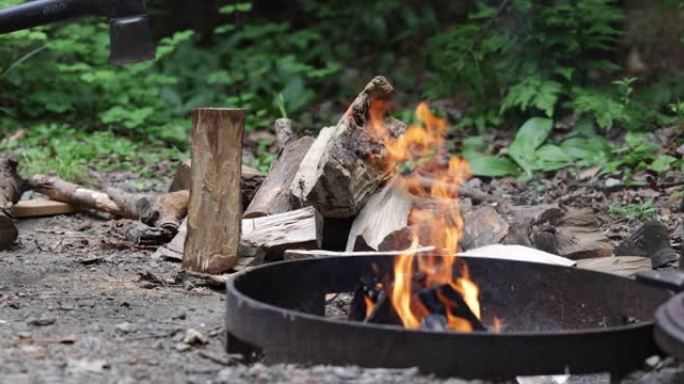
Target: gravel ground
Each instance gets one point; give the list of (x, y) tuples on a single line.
[(77, 308)]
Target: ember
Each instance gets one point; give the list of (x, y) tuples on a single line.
[(425, 292)]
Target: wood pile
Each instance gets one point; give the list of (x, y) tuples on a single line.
[(313, 180)]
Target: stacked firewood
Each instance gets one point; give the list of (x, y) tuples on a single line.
[(333, 178)]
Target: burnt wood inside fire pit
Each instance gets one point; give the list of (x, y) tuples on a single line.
[(554, 319)]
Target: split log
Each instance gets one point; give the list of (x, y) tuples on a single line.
[(250, 181), (383, 223), (268, 237), (263, 238), (341, 170), (273, 195), (11, 188), (214, 210)]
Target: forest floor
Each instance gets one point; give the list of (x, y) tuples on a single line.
[(75, 307)]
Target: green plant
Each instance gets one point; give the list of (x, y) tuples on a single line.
[(549, 57), (633, 212), (529, 152)]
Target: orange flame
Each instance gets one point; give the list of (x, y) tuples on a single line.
[(419, 162)]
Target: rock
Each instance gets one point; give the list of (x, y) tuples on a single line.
[(182, 347), (194, 337), (483, 226), (650, 240), (86, 366), (40, 322), (124, 328)]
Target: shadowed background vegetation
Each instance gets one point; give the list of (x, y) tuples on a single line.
[(567, 82)]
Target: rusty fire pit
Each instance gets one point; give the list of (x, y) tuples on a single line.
[(555, 320)]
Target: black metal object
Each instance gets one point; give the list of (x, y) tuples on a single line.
[(130, 31), (554, 319), (669, 331)]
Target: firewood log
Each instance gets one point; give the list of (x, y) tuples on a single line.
[(164, 211), (273, 196), (341, 170), (265, 238), (250, 180), (268, 237), (11, 188), (214, 212), (77, 195), (383, 224)]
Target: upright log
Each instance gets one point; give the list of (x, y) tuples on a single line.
[(249, 182), (11, 186), (214, 211)]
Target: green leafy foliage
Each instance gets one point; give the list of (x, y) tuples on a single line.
[(553, 57), (633, 212)]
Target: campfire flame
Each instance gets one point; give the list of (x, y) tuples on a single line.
[(419, 162)]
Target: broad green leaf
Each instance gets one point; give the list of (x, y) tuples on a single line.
[(474, 145), (491, 166), (550, 157), (662, 163), (530, 136)]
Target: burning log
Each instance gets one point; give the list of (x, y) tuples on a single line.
[(273, 196), (445, 302), (213, 213), (264, 237), (383, 224), (338, 174), (250, 180), (11, 188)]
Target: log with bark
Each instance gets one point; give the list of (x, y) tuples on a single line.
[(214, 211), (76, 195), (11, 188), (568, 232), (163, 211), (341, 171)]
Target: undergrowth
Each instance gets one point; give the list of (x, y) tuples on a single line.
[(509, 60)]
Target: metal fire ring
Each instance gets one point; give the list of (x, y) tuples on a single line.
[(556, 319), (669, 333)]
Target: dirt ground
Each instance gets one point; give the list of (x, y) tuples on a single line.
[(76, 308)]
